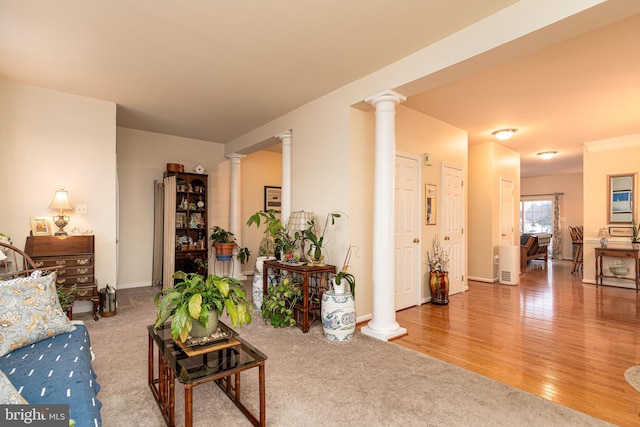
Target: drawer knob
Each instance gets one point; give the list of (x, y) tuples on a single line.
[(61, 262), (61, 281), (83, 261), (39, 263), (83, 270), (83, 279)]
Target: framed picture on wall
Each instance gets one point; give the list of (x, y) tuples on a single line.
[(272, 198), (621, 231), (430, 196), (40, 226)]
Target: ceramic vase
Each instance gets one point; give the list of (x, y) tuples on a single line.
[(338, 316), (199, 331), (439, 286), (257, 291), (341, 288)]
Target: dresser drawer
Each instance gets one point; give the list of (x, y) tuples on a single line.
[(64, 261), (84, 292), (74, 271), (74, 280)]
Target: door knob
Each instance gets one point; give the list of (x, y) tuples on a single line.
[(416, 240)]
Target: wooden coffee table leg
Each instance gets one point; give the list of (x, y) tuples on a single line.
[(188, 406), (263, 403)]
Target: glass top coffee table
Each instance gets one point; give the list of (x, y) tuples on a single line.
[(221, 362)]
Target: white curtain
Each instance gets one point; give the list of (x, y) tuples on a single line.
[(169, 263), (158, 232)]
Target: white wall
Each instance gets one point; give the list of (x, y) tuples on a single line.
[(50, 139), (143, 158)]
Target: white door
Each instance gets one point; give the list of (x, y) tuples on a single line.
[(452, 225), (506, 212), (407, 217)]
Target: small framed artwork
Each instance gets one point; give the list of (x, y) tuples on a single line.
[(430, 197), (272, 198), (621, 231), (40, 226)]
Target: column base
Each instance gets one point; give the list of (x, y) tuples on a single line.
[(385, 335)]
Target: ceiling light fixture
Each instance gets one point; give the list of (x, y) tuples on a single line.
[(504, 134), (546, 155)]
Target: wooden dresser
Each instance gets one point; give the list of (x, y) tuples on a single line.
[(75, 258)]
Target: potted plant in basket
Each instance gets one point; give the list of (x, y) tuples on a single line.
[(195, 303), (224, 243), (438, 261)]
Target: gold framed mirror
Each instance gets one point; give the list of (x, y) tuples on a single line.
[(621, 199)]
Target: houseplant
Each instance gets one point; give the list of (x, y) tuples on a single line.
[(281, 298), (438, 261), (195, 299), (224, 243), (317, 243), (273, 228), (635, 237)]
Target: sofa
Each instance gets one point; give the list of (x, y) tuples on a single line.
[(533, 246), (45, 358)]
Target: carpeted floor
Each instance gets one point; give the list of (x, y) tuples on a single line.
[(311, 381), (632, 375)]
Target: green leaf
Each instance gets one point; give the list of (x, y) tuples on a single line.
[(195, 306)]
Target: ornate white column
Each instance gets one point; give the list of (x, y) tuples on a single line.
[(285, 197), (383, 323), (235, 222)]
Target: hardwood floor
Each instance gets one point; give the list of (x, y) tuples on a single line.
[(551, 336)]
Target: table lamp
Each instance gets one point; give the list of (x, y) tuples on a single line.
[(603, 234), (61, 202), (299, 221)]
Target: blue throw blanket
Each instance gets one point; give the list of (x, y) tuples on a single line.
[(58, 370)]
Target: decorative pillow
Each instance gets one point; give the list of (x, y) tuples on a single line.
[(30, 312), (8, 393), (11, 282)]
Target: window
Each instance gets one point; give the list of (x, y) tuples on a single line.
[(536, 216)]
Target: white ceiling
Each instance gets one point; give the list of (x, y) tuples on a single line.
[(214, 70)]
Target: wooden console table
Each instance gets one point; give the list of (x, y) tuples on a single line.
[(618, 253), (315, 280)]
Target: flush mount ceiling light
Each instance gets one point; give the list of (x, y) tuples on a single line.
[(546, 155), (504, 134)]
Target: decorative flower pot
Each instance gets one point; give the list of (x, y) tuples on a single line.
[(338, 316), (224, 251), (199, 331), (341, 288), (260, 262), (439, 286), (635, 245)]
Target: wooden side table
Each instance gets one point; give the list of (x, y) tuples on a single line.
[(315, 280), (618, 253)]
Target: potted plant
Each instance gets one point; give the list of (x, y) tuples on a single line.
[(337, 310), (438, 261), (635, 237), (195, 303), (317, 243), (224, 243), (273, 228), (278, 305)]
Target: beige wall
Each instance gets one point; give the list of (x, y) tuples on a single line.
[(488, 164), (603, 158), (571, 202), (258, 169), (50, 139), (142, 158)]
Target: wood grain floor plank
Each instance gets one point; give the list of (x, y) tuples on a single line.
[(552, 336)]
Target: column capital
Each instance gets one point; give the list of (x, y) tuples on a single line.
[(286, 135), (235, 156), (386, 95)]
